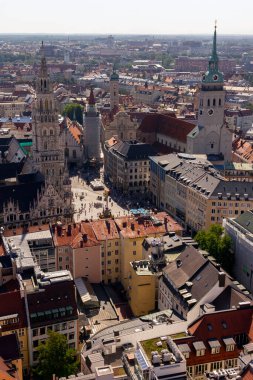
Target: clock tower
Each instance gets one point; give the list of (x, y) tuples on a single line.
[(211, 136)]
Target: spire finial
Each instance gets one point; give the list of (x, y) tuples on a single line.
[(91, 97), (214, 52), (43, 62)]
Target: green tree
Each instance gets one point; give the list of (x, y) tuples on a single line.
[(74, 111), (55, 358), (218, 245)]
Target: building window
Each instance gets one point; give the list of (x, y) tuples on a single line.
[(42, 330), (230, 347), (134, 242), (200, 352), (60, 259), (134, 253), (216, 365), (35, 332), (200, 369), (215, 350)]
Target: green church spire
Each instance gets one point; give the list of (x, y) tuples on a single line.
[(213, 75)]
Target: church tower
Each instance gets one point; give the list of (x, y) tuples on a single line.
[(48, 155), (92, 124), (211, 136), (114, 90)]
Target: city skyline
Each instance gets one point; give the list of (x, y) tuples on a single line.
[(130, 18)]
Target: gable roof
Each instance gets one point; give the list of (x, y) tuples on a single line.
[(22, 193), (188, 263), (222, 324), (167, 125), (132, 150), (12, 303)]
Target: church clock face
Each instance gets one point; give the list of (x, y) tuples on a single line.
[(210, 112), (215, 77)]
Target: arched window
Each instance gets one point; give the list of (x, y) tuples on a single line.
[(214, 102), (51, 132), (41, 105), (46, 105), (50, 104), (45, 145), (66, 152), (219, 102), (208, 102), (44, 132), (74, 153), (45, 84)]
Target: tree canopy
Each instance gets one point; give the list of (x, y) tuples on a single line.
[(55, 358), (218, 244), (74, 111)]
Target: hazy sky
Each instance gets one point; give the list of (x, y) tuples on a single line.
[(127, 17)]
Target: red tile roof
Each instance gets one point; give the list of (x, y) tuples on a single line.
[(243, 149), (74, 130), (137, 227), (73, 236), (167, 125), (218, 325), (25, 230), (248, 373), (105, 229)]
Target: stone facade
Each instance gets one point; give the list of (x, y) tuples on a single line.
[(48, 155), (122, 126)]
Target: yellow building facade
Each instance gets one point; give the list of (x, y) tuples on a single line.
[(142, 288)]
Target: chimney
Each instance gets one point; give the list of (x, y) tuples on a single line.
[(85, 238), (108, 226), (132, 226), (69, 230), (59, 229), (222, 279), (166, 224), (179, 263)]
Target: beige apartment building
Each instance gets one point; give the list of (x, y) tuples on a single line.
[(12, 109), (192, 191), (78, 250), (127, 165)]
